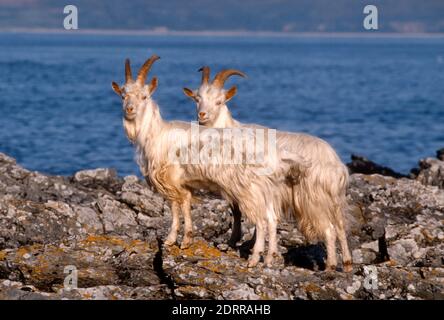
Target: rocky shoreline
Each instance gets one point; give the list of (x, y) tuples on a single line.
[(111, 230)]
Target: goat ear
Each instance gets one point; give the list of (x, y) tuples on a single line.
[(153, 85), (230, 93), (116, 88), (189, 93)]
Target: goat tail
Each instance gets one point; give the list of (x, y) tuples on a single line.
[(319, 199)]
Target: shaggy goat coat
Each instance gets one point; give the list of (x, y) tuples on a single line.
[(322, 186), (259, 196), (318, 197)]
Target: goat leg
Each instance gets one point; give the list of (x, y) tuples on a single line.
[(186, 210), (258, 246), (236, 230), (272, 238), (172, 236)]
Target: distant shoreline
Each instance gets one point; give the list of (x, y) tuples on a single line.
[(223, 33)]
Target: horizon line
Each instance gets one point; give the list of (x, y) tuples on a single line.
[(225, 33)]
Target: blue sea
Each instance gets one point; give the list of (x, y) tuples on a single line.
[(382, 98)]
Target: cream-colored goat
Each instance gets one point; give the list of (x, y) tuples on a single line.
[(318, 198), (160, 144)]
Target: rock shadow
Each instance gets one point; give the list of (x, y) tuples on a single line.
[(311, 256)]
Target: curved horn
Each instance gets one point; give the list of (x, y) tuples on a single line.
[(128, 75), (145, 68), (221, 77), (205, 74)]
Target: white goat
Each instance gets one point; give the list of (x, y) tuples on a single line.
[(318, 198), (157, 140)]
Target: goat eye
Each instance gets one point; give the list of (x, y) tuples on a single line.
[(219, 103), (144, 98)]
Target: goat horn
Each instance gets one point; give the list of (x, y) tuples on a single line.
[(128, 75), (221, 77), (143, 72), (205, 74)]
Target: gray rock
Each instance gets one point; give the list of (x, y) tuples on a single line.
[(111, 230), (102, 175), (431, 172)]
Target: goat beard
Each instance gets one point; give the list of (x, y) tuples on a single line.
[(130, 130)]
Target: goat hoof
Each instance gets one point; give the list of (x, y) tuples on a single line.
[(330, 268), (253, 261), (270, 259), (348, 266), (186, 243), (169, 242)]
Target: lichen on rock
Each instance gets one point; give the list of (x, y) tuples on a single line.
[(111, 230)]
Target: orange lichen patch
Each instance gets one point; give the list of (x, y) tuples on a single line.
[(190, 290), (87, 295), (22, 251), (241, 268), (3, 255), (139, 245), (201, 249), (40, 267), (213, 266), (391, 263), (45, 262), (436, 272), (36, 268), (348, 296), (40, 270), (312, 288), (43, 266), (100, 238), (174, 251), (264, 296), (19, 254), (232, 254), (51, 250), (379, 180)]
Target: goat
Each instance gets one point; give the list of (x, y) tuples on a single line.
[(319, 197), (159, 142)]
